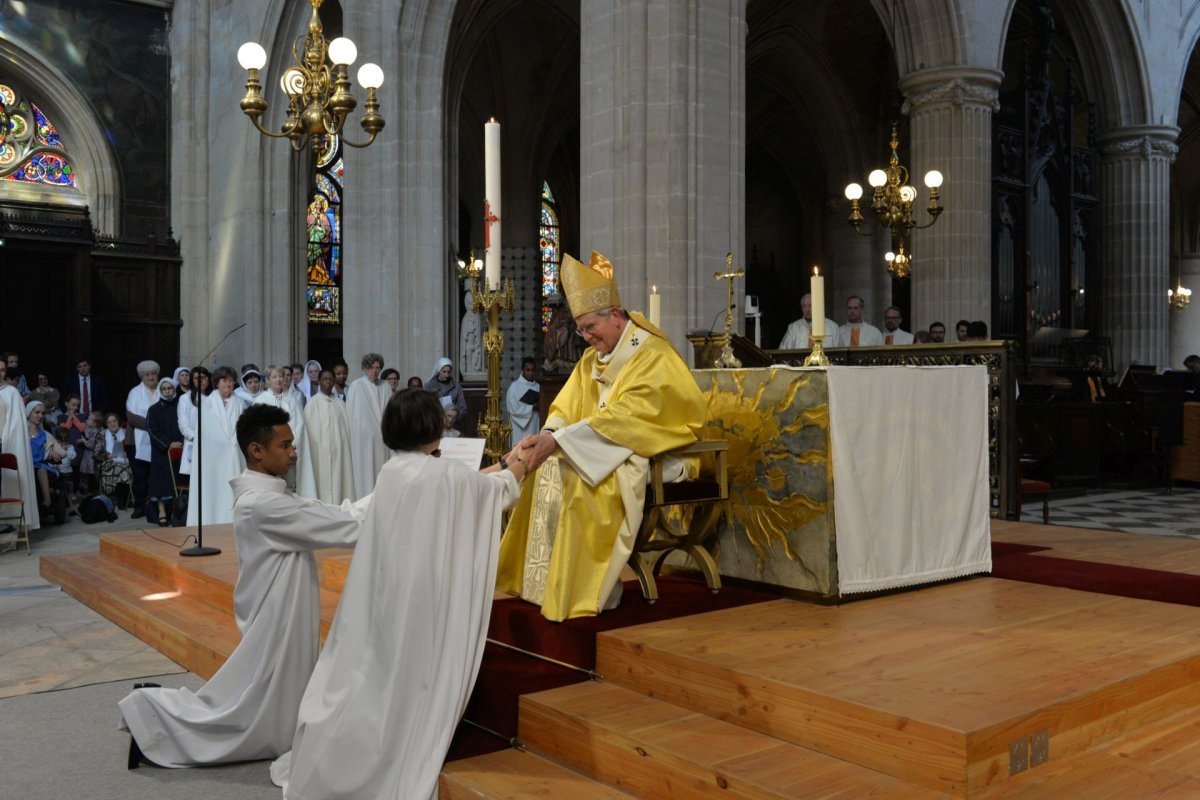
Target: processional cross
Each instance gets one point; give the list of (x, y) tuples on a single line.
[(727, 359)]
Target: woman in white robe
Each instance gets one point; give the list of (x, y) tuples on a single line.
[(365, 400), (402, 655), (219, 458), (14, 438), (324, 470), (279, 394), (186, 409)]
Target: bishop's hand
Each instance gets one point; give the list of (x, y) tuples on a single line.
[(536, 449)]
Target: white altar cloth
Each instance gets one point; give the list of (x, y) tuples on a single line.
[(910, 474)]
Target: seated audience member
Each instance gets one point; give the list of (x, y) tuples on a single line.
[(47, 394), (423, 572), (15, 376), (892, 333), (937, 333), (46, 452), (247, 711)]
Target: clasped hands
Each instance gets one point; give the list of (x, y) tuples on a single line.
[(535, 449)]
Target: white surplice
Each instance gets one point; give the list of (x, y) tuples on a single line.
[(14, 438), (325, 470), (898, 337), (525, 418), (798, 333), (405, 646), (220, 460), (247, 711), (185, 414), (364, 405), (867, 335)]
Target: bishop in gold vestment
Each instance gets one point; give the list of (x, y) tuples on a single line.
[(630, 397)]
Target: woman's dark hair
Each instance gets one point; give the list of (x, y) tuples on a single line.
[(413, 417), (196, 372), (224, 372), (389, 372), (416, 382)]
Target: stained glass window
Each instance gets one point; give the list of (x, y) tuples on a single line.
[(323, 227), (31, 150), (551, 246)]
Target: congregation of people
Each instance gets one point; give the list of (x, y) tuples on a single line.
[(857, 332)]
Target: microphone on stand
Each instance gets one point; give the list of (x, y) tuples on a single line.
[(199, 549)]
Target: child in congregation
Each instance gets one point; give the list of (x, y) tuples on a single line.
[(114, 439), (91, 443)]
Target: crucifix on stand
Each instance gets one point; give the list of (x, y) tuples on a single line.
[(727, 360)]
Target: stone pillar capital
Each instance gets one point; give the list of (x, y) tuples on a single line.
[(956, 86), (1141, 141)]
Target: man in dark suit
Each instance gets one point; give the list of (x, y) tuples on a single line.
[(90, 388)]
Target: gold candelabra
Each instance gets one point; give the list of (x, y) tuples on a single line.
[(318, 91), (1179, 297), (892, 201), (491, 426), (817, 357), (727, 360)]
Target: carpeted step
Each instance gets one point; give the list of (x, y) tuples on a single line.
[(513, 775), (192, 633), (654, 749)]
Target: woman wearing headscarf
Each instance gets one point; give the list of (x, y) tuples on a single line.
[(162, 421), (186, 411), (310, 385), (445, 385)]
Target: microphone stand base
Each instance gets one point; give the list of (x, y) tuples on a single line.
[(199, 550)]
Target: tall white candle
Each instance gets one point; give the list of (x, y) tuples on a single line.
[(817, 290), (491, 200), (655, 307)]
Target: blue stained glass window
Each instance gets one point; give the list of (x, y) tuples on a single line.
[(550, 243), (323, 229), (32, 149)]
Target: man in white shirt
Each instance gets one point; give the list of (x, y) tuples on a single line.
[(856, 333), (892, 333), (799, 333), (522, 401)]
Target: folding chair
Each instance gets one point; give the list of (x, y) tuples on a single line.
[(9, 461)]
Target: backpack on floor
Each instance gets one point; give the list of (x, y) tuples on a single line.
[(97, 508)]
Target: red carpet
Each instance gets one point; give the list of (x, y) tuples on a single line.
[(1016, 562), (506, 675)]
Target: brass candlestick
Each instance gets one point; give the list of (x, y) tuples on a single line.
[(491, 426), (727, 360), (817, 357)]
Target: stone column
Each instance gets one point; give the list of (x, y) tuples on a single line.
[(950, 123), (662, 149), (1135, 193)]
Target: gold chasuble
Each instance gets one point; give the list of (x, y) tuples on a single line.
[(570, 535)]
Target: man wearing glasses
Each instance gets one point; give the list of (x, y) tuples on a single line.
[(892, 334), (630, 397)]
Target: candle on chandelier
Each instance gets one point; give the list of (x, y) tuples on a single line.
[(491, 202), (817, 290), (655, 314)]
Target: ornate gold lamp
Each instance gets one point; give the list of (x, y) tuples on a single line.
[(892, 201), (492, 427), (317, 87), (1179, 297)]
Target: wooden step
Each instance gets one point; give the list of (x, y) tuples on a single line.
[(931, 687), (192, 633), (657, 750), (513, 775)]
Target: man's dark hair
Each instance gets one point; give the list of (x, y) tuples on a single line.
[(413, 417), (1192, 359), (962, 322), (387, 373), (933, 325), (977, 329), (528, 360), (322, 372), (257, 424)]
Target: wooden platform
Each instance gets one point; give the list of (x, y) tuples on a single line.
[(928, 693)]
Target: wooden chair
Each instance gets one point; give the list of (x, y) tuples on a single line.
[(662, 534), (1028, 487), (9, 461)]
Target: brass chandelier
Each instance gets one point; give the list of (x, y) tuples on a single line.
[(318, 90), (1179, 297), (892, 201)]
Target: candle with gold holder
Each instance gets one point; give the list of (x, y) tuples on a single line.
[(491, 427)]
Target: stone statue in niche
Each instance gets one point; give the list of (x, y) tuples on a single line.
[(470, 340), (560, 343)]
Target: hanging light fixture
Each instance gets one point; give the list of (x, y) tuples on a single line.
[(892, 201), (1179, 297), (318, 90)]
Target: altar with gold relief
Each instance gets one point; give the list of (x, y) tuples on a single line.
[(845, 480)]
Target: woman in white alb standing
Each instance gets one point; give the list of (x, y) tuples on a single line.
[(218, 458), (279, 394), (186, 408)]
